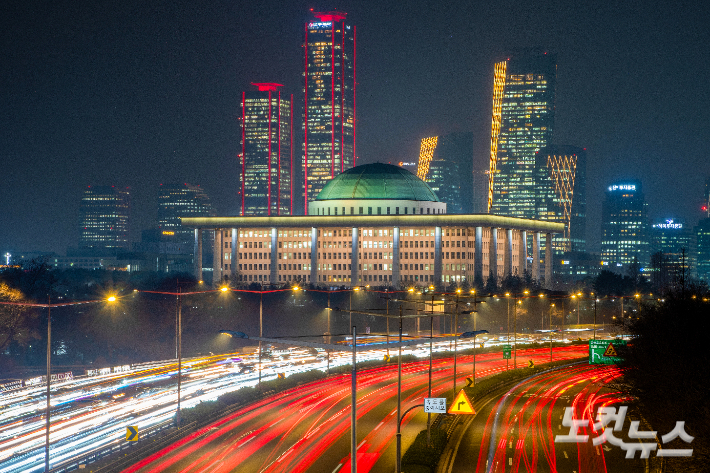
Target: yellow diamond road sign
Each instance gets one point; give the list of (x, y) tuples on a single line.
[(461, 404), (132, 433)]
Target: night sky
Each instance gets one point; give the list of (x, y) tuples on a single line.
[(135, 93)]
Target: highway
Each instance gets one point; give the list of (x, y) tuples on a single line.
[(516, 431), (307, 429)]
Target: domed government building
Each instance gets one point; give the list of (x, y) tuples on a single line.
[(373, 224)]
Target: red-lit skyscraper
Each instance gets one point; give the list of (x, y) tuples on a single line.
[(329, 113), (265, 161)]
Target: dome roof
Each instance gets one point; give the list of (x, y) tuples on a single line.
[(377, 181)]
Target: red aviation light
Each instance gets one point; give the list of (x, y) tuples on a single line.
[(267, 86)]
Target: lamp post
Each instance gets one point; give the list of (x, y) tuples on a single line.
[(595, 316), (453, 332), (507, 338), (551, 306), (399, 395), (515, 334), (49, 379), (179, 371)]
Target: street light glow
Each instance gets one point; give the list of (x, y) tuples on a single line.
[(224, 289), (111, 298)]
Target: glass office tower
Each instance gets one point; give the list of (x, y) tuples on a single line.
[(523, 118), (104, 216), (446, 164), (624, 226), (266, 161), (329, 113), (560, 184)]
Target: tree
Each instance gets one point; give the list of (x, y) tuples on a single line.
[(666, 371), (15, 320)]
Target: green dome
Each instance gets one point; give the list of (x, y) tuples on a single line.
[(377, 181)]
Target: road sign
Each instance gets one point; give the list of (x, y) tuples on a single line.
[(132, 433), (282, 375), (387, 358), (435, 405), (506, 352), (461, 404), (469, 382), (531, 364), (605, 352)]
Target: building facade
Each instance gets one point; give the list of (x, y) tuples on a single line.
[(266, 158), (671, 253), (560, 183), (446, 164), (523, 119), (329, 112), (624, 238), (104, 219), (370, 242), (701, 233)]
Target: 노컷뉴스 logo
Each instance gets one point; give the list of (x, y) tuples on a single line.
[(607, 415)]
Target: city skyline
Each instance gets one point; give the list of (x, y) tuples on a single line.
[(104, 106)]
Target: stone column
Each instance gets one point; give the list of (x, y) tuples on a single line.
[(522, 253), (437, 255), (354, 273), (314, 255), (217, 257), (478, 255), (508, 253), (536, 256), (273, 273), (493, 253), (197, 255), (395, 257), (234, 263), (548, 260)]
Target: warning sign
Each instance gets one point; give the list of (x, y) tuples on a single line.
[(461, 404), (610, 351), (606, 352)]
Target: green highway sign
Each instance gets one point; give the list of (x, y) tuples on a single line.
[(506, 352), (605, 352)]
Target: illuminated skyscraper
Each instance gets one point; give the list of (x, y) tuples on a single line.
[(701, 234), (523, 117), (176, 201), (104, 216), (624, 225), (329, 114), (561, 194), (706, 200), (446, 164), (672, 256), (265, 172)]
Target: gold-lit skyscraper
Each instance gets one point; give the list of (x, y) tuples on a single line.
[(265, 173), (329, 114), (523, 118)]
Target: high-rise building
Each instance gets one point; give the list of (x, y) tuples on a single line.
[(523, 118), (560, 184), (446, 164), (329, 113), (624, 226), (480, 191), (176, 201), (702, 249), (706, 200), (104, 217), (671, 254), (266, 160)]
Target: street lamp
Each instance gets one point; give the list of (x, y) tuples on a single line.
[(507, 338), (515, 335), (551, 306), (110, 298)]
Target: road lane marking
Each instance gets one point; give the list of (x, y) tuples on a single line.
[(379, 425), (340, 465), (510, 461), (565, 452), (361, 444)]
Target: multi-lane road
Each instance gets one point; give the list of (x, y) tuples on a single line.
[(307, 429), (516, 431)]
